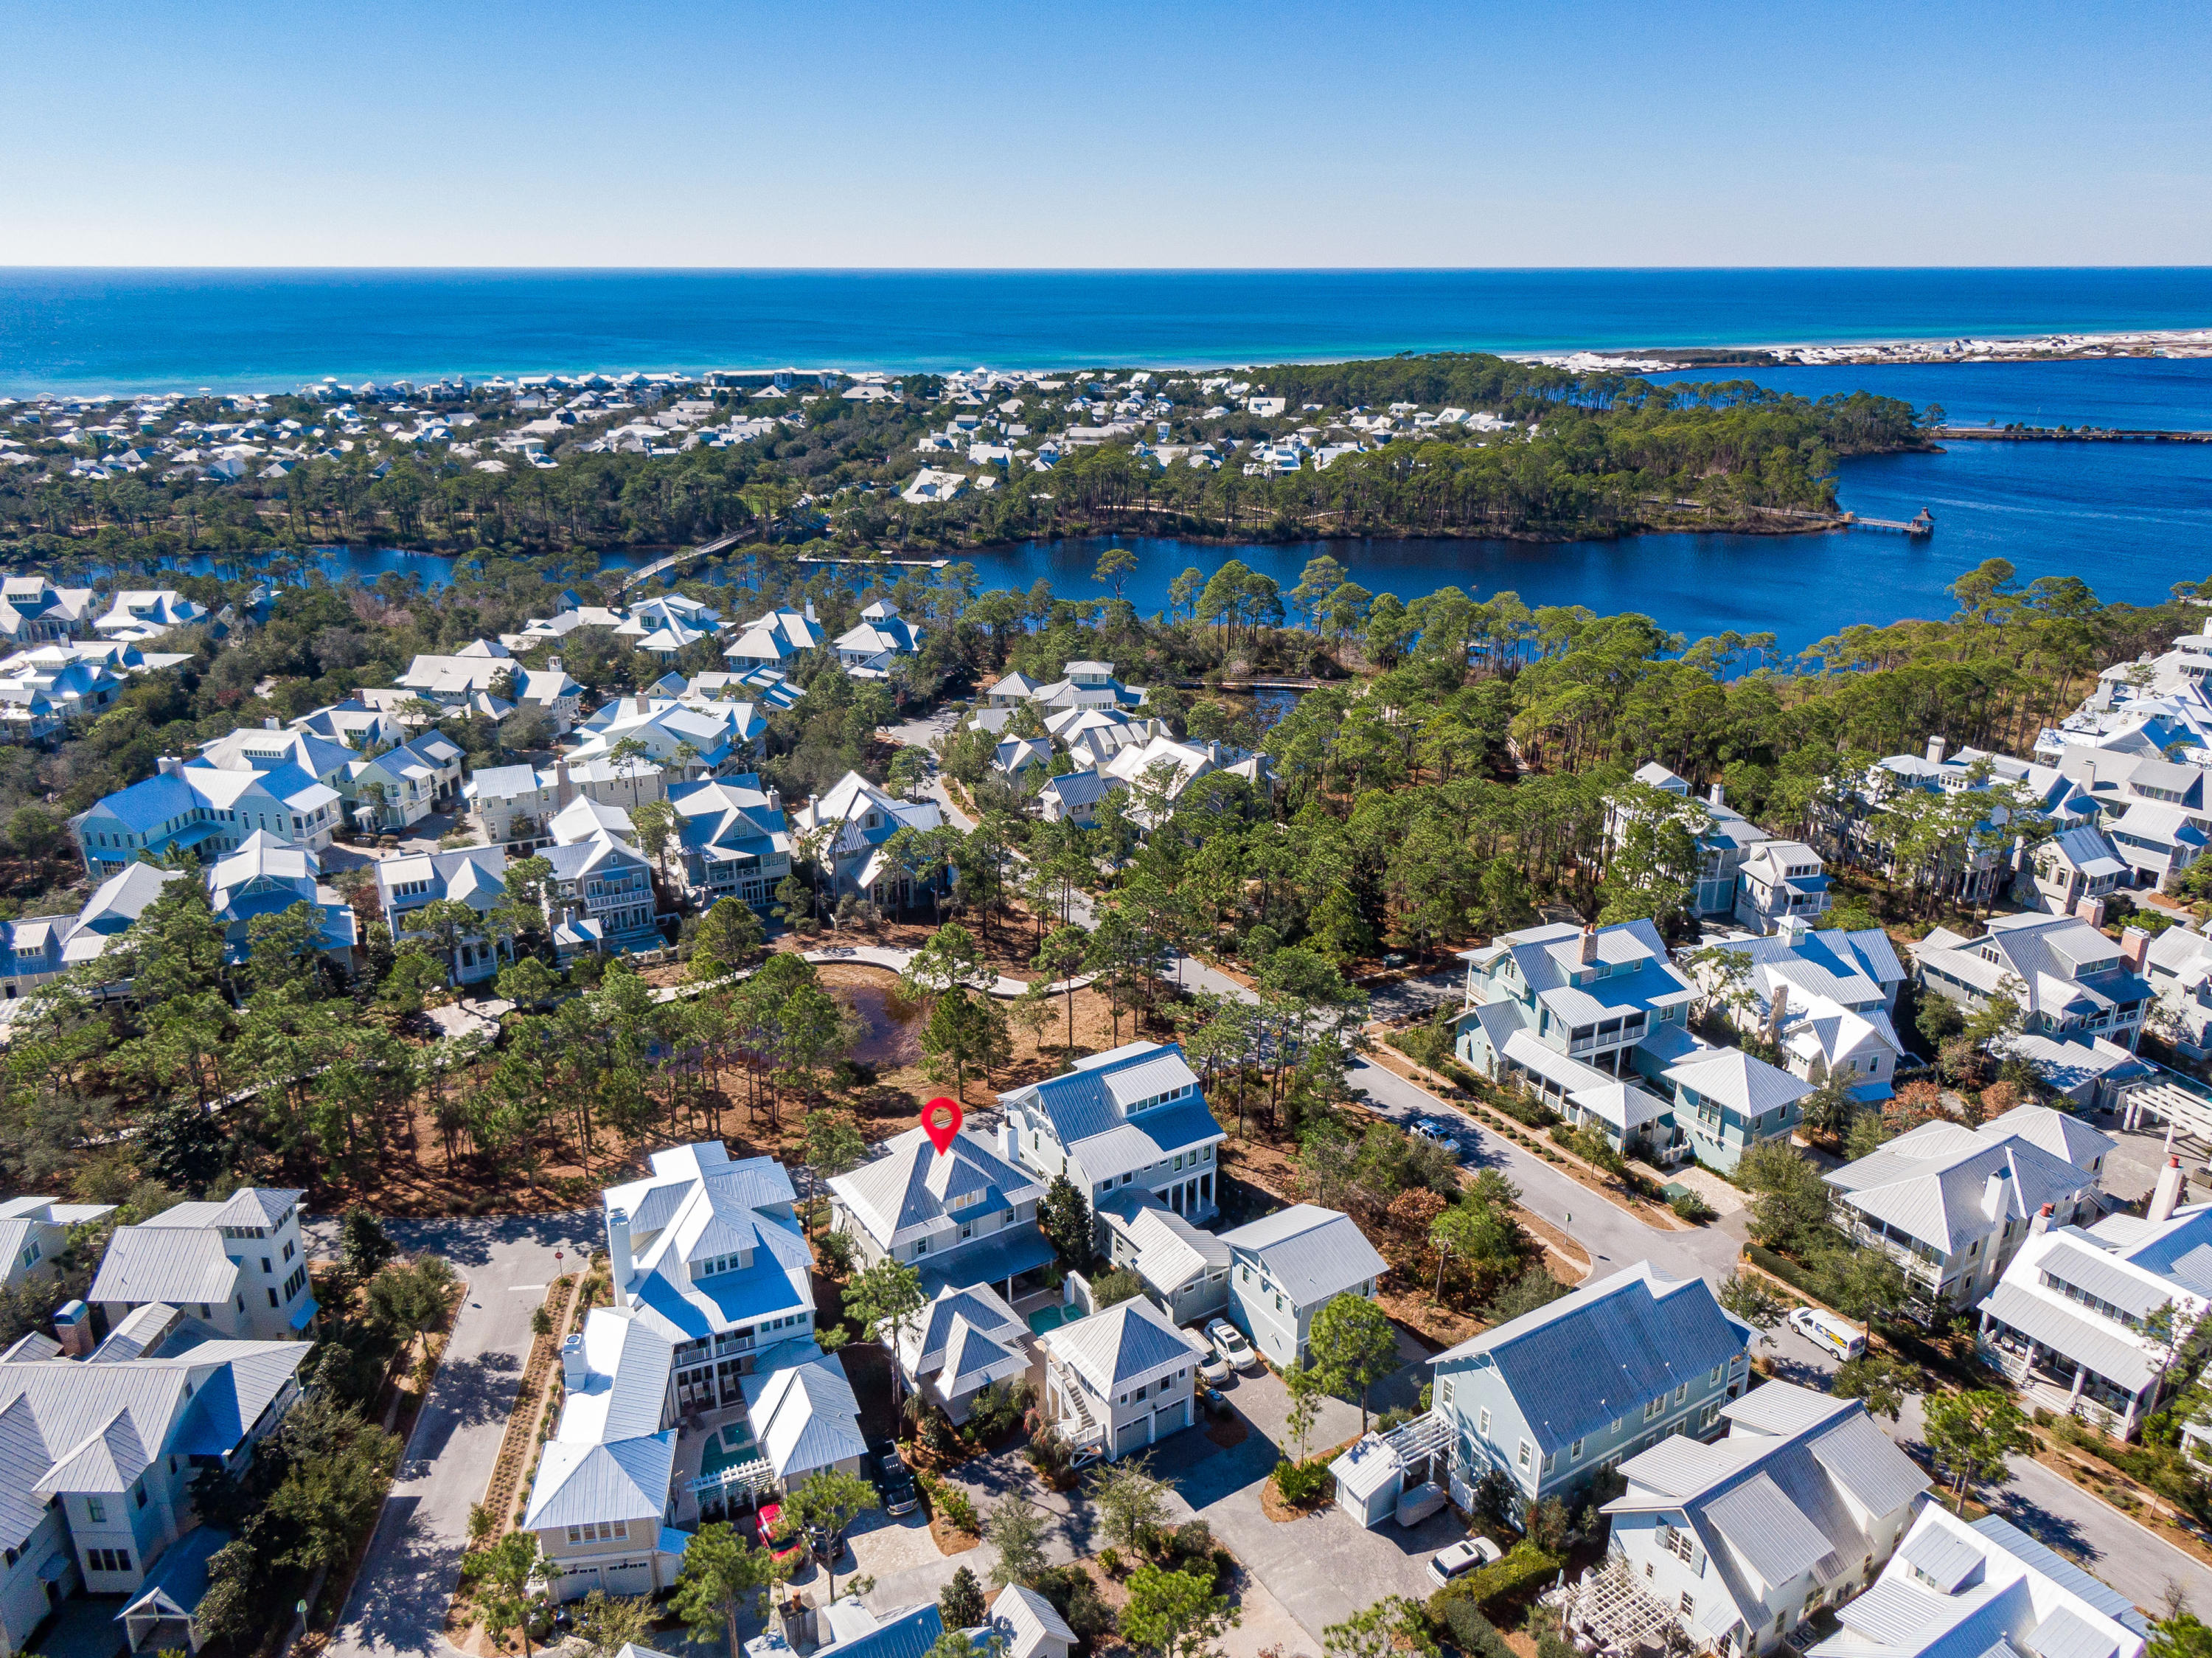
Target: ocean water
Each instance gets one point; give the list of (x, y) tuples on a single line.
[(2128, 393), (107, 330)]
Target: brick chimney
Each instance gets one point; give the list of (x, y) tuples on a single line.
[(2135, 947), (1778, 1010), (1589, 946), (2092, 909)]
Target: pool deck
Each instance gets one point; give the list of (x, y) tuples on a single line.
[(691, 1452)]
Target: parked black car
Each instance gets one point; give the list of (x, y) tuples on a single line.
[(893, 1478)]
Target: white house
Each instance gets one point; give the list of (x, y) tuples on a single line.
[(2076, 1319), (882, 640), (1284, 1268), (204, 809), (474, 875), (1183, 1270), (965, 1341), (99, 1448), (1796, 1507), (142, 613), (1121, 1379), (35, 1231), (238, 1266), (964, 1216), (1952, 1205), (1955, 1587), (2069, 982)]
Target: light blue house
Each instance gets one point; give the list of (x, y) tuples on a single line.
[(1595, 1377), (204, 809), (1593, 1021), (1131, 1116), (1287, 1267)]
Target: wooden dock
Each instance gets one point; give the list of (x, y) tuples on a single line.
[(877, 564), (1922, 524), (2066, 435)]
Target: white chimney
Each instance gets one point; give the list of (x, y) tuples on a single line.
[(1713, 795), (2041, 1223), (169, 766), (618, 1265), (1994, 1193), (810, 611), (269, 722), (1010, 1140), (1936, 746), (553, 664), (2166, 1196), (574, 1372)]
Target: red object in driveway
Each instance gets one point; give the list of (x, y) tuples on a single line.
[(770, 1513)]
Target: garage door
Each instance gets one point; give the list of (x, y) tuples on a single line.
[(1133, 1436), (575, 1583), (629, 1577)]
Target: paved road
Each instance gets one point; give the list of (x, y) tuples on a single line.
[(398, 1606)]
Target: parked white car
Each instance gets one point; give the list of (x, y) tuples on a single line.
[(1214, 1368), (1827, 1330), (1227, 1341), (1462, 1557)]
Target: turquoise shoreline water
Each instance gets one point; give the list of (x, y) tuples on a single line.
[(92, 330)]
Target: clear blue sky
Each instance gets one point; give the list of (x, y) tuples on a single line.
[(1080, 133)]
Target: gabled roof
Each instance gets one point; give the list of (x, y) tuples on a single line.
[(580, 1482), (1126, 1341), (805, 1414), (180, 1266), (1313, 1253), (1095, 1100), (1735, 1079), (1605, 1350), (1026, 1621), (1932, 1183), (905, 1189), (1768, 1502)]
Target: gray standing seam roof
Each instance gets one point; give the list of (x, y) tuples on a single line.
[(2072, 1334), (2094, 1273), (2063, 1572), (176, 1264), (2067, 1634), (1322, 1256), (1773, 1535), (1861, 1459), (1588, 1365), (1946, 1560)]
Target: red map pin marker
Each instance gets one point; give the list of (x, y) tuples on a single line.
[(940, 1121)]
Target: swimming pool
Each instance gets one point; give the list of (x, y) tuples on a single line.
[(727, 1446), (1051, 1317)]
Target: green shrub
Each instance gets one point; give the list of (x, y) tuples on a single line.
[(1301, 1483), (1427, 1045), (1474, 1634), (1523, 1566), (1522, 1109), (1691, 1207), (1113, 1288)]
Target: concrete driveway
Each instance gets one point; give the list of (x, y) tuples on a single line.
[(1323, 1569), (397, 1605)]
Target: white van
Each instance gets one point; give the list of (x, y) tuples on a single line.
[(1826, 1330)]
